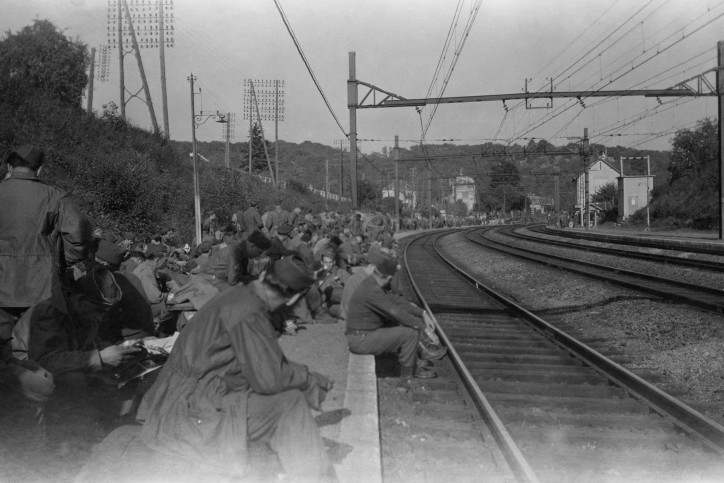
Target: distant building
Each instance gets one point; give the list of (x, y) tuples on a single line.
[(600, 172), (633, 194), (408, 197), (463, 189), (540, 204)]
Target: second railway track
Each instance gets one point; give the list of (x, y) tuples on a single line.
[(559, 410)]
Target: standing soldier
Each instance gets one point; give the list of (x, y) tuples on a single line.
[(250, 221), (42, 233)]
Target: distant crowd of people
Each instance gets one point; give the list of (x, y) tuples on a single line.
[(80, 305)]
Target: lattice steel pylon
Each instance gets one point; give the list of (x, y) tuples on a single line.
[(137, 24), (264, 99)]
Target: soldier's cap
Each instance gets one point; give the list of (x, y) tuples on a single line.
[(259, 240), (33, 157), (129, 235), (100, 287), (284, 229), (109, 253), (293, 272), (109, 236), (384, 265)]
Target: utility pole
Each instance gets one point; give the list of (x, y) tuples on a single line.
[(586, 194), (227, 161), (162, 58), (276, 129), (272, 175), (264, 99), (342, 143), (197, 120), (351, 104), (720, 90), (326, 184), (91, 77), (121, 54), (556, 186), (146, 91), (197, 194), (396, 157)]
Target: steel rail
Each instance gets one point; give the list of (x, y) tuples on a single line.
[(677, 244), (585, 268), (516, 461), (693, 422), (651, 257)]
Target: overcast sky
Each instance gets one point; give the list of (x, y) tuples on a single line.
[(398, 45)]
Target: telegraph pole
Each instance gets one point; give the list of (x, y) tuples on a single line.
[(586, 194), (396, 157), (197, 195), (121, 54), (326, 184), (720, 90), (91, 77), (352, 103), (162, 58), (227, 161)]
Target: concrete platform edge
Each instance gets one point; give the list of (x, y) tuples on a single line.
[(361, 429)]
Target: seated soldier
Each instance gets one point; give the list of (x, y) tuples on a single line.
[(231, 264), (379, 322), (131, 318), (227, 382), (157, 292), (61, 333), (332, 284)]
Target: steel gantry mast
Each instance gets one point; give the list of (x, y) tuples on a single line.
[(376, 98)]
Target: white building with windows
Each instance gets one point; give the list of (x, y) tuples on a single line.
[(408, 197), (463, 189)]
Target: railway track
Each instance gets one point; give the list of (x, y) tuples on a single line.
[(703, 297), (618, 252), (637, 241), (558, 410)]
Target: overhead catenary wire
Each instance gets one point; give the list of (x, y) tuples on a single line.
[(308, 66)]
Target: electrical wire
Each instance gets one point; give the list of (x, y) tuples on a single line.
[(308, 66)]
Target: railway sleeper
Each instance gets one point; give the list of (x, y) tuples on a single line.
[(507, 345), (511, 357), (561, 417), (537, 376), (623, 440), (535, 390), (572, 404)]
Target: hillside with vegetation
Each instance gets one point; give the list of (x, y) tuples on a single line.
[(127, 178)]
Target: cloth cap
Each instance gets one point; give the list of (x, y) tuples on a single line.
[(205, 247), (386, 241), (129, 235), (100, 286), (259, 240), (284, 229), (109, 236), (293, 272), (109, 253), (34, 157), (383, 264)]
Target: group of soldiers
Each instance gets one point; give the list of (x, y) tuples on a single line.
[(77, 305)]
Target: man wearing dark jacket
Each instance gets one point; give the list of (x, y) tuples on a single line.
[(227, 382), (379, 322), (42, 233)]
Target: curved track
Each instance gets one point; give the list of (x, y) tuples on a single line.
[(558, 409), (619, 252), (639, 241), (703, 297)]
